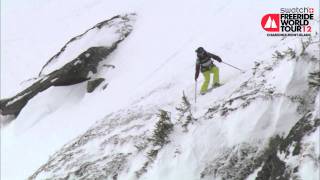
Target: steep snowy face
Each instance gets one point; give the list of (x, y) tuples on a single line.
[(149, 71), (260, 127)]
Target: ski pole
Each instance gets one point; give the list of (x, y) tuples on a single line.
[(195, 96), (233, 66)]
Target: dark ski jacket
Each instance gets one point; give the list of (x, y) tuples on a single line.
[(204, 62)]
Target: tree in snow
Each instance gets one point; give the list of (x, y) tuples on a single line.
[(159, 138), (314, 79), (160, 135), (185, 115)]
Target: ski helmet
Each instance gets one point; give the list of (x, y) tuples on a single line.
[(200, 50)]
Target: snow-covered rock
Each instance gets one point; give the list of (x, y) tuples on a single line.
[(75, 61)]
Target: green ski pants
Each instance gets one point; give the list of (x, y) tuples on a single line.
[(215, 71)]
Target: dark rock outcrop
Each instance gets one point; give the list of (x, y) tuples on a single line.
[(274, 167), (93, 84), (74, 72), (125, 18)]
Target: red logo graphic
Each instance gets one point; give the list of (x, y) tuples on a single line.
[(311, 10), (271, 22)]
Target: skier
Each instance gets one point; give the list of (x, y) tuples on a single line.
[(205, 64)]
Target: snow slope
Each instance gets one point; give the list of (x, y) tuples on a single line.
[(153, 66), (234, 124)]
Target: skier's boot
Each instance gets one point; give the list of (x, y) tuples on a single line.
[(216, 85)]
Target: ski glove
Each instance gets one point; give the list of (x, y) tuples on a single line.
[(218, 59)]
